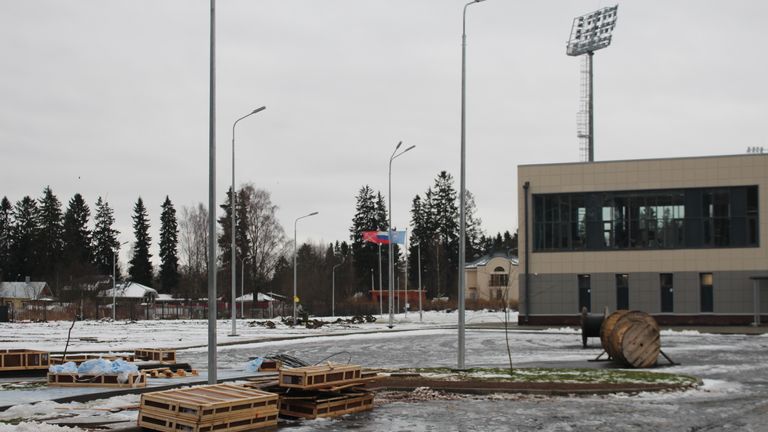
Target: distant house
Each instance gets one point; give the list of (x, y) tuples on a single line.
[(18, 294), (493, 278), (131, 291)]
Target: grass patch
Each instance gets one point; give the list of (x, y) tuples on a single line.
[(559, 375)]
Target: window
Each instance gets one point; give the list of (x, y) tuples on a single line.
[(667, 292), (706, 292), (585, 292), (622, 291), (655, 219), (499, 280)]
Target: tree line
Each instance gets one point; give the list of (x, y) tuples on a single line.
[(40, 240)]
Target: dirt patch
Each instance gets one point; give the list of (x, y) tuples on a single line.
[(545, 388)]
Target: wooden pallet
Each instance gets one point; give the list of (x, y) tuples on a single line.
[(103, 380), (322, 376), (204, 404), (154, 421), (314, 405), (169, 373), (162, 355), (23, 359), (271, 366)]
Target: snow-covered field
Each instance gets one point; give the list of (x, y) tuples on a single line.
[(105, 336), (733, 368)]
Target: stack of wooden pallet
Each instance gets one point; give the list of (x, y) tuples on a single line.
[(162, 355), (329, 390), (165, 372), (208, 408)]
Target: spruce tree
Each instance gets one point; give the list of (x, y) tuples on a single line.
[(78, 247), (370, 215), (140, 268), (24, 234), (105, 242), (225, 239), (6, 224), (51, 239), (444, 210), (169, 240)]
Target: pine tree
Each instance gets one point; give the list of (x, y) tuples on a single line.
[(169, 240), (78, 248), (140, 268), (51, 239), (6, 225), (445, 212), (105, 242), (24, 233), (370, 215)]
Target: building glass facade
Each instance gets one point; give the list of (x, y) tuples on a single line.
[(653, 219)]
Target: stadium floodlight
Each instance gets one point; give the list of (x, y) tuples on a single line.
[(592, 31)]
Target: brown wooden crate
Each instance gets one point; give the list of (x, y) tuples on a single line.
[(323, 405), (23, 359), (204, 403), (321, 376), (155, 421), (80, 358), (104, 380)]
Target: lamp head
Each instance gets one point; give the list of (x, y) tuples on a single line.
[(258, 109), (398, 145), (313, 213)]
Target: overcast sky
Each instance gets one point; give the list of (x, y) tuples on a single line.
[(110, 98)]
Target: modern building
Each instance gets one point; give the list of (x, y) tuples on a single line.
[(492, 278), (683, 239)]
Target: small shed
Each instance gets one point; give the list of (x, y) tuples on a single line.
[(17, 295)]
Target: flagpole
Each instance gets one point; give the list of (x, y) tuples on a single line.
[(381, 292)]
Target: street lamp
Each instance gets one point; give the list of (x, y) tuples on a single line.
[(333, 287), (463, 182), (232, 202), (295, 253), (114, 283), (390, 237)]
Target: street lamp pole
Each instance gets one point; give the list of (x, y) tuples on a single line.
[(212, 357), (463, 187), (233, 209), (295, 253), (390, 237), (333, 289)]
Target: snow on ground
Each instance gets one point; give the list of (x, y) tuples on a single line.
[(108, 336)]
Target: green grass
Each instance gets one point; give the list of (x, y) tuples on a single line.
[(560, 375)]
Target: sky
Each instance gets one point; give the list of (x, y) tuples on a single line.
[(110, 98)]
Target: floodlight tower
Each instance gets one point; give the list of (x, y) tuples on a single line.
[(590, 33)]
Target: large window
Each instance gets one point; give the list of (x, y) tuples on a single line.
[(666, 219)]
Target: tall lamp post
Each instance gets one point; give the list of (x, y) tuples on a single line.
[(390, 236), (114, 278), (333, 286), (463, 182), (233, 201), (295, 253)]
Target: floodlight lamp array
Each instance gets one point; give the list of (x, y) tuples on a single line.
[(592, 31)]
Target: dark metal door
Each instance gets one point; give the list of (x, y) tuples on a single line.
[(585, 293)]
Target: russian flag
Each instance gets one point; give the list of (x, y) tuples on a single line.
[(382, 237), (378, 237)]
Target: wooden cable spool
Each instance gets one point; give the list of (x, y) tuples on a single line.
[(631, 337)]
